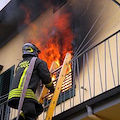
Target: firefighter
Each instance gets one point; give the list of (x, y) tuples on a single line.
[(31, 108)]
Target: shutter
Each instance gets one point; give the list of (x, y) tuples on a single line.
[(67, 92), (5, 82)]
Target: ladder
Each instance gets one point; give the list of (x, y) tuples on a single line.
[(58, 87)]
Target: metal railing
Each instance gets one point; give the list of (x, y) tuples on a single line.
[(4, 109), (94, 71)]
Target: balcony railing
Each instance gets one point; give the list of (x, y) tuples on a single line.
[(94, 71), (4, 109)]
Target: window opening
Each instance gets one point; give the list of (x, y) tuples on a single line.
[(67, 90)]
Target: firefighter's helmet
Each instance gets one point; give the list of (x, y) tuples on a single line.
[(30, 49)]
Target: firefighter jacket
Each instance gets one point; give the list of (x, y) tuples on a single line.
[(40, 72)]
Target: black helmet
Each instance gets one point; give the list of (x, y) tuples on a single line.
[(30, 49)]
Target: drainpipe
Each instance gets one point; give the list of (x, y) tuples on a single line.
[(91, 115)]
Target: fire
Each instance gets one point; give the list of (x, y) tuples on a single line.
[(53, 77), (54, 39), (59, 40), (57, 62)]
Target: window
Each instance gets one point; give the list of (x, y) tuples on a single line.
[(5, 81), (67, 91)]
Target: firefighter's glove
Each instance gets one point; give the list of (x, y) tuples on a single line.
[(50, 86), (52, 89)]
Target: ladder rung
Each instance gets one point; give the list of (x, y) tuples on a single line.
[(56, 69)]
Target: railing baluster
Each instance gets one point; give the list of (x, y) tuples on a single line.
[(119, 52), (5, 114), (105, 65), (64, 101), (2, 116), (74, 68), (43, 112), (78, 73), (83, 74), (61, 101), (117, 58), (88, 75), (11, 112), (99, 69), (111, 63), (93, 72), (70, 95), (0, 112)]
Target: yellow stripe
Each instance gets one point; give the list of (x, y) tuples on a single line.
[(22, 79), (49, 84), (22, 114), (29, 49), (17, 93)]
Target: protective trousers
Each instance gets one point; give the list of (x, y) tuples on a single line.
[(30, 110)]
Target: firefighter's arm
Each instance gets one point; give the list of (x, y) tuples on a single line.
[(45, 76)]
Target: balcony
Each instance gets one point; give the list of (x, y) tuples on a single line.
[(91, 90)]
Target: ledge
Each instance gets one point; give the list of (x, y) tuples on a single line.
[(96, 103)]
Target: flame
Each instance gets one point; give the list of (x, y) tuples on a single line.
[(54, 39), (68, 69), (53, 77), (57, 62), (59, 40)]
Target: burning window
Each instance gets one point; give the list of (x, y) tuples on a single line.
[(67, 89)]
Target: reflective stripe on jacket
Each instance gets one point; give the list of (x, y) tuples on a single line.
[(40, 72)]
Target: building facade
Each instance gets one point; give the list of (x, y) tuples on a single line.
[(93, 30)]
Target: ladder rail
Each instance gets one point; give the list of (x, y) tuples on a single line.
[(56, 93)]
